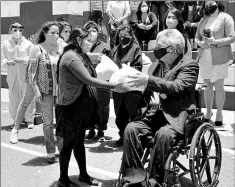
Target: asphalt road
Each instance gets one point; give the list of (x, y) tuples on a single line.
[(24, 164)]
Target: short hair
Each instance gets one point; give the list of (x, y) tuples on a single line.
[(170, 37)]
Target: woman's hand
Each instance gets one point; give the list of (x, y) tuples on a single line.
[(11, 62), (148, 27), (95, 57), (38, 97), (141, 26), (203, 44), (210, 40)]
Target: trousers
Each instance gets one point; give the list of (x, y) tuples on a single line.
[(137, 136)]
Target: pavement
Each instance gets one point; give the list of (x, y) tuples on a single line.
[(24, 164)]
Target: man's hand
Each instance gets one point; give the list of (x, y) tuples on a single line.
[(11, 62), (148, 27)]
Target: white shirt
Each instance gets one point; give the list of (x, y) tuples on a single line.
[(118, 8)]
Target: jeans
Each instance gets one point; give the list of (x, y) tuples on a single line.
[(47, 114)]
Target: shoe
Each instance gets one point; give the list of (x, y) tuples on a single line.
[(50, 160), (208, 119), (65, 183), (100, 136), (30, 125), (119, 142), (88, 179), (90, 135), (14, 136), (218, 123)]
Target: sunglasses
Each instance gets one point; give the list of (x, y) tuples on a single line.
[(15, 30)]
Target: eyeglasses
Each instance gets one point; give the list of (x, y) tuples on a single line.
[(15, 30)]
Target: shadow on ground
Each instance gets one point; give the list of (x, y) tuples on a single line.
[(10, 127), (38, 161), (185, 182), (37, 140), (77, 183), (106, 147)]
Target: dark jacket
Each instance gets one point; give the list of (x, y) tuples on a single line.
[(178, 85), (133, 54)]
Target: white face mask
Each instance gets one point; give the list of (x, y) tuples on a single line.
[(144, 9), (94, 36), (17, 35)]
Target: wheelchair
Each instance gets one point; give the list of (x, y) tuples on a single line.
[(196, 145)]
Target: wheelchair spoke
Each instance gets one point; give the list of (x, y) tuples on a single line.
[(209, 143), (208, 172), (202, 169)]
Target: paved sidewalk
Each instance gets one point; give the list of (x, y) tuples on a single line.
[(226, 132)]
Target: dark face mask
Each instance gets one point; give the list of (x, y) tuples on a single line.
[(210, 9), (160, 52), (124, 40)]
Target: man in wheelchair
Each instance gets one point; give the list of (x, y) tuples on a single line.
[(173, 76)]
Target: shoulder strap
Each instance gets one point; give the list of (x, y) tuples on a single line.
[(40, 48)]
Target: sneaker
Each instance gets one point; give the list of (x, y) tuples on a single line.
[(30, 125), (14, 136), (50, 160), (119, 142), (100, 136), (90, 135)]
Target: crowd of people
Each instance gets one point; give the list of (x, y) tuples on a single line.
[(56, 67)]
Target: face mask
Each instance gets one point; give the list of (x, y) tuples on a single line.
[(86, 46), (17, 35), (65, 36), (171, 23), (160, 52), (210, 9), (51, 39), (144, 9), (94, 36), (124, 40)]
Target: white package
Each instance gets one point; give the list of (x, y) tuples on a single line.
[(131, 84), (105, 68)]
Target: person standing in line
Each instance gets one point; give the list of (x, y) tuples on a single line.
[(145, 24), (126, 51), (14, 57), (103, 94), (96, 15), (76, 102), (118, 12), (215, 35), (40, 81)]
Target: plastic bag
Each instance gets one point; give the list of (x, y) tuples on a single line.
[(123, 77), (105, 68), (146, 60)]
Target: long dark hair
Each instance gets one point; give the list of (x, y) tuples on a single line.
[(138, 12), (44, 29), (96, 15), (180, 26), (73, 44), (130, 30)]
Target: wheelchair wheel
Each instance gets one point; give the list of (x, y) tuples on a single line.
[(205, 156)]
